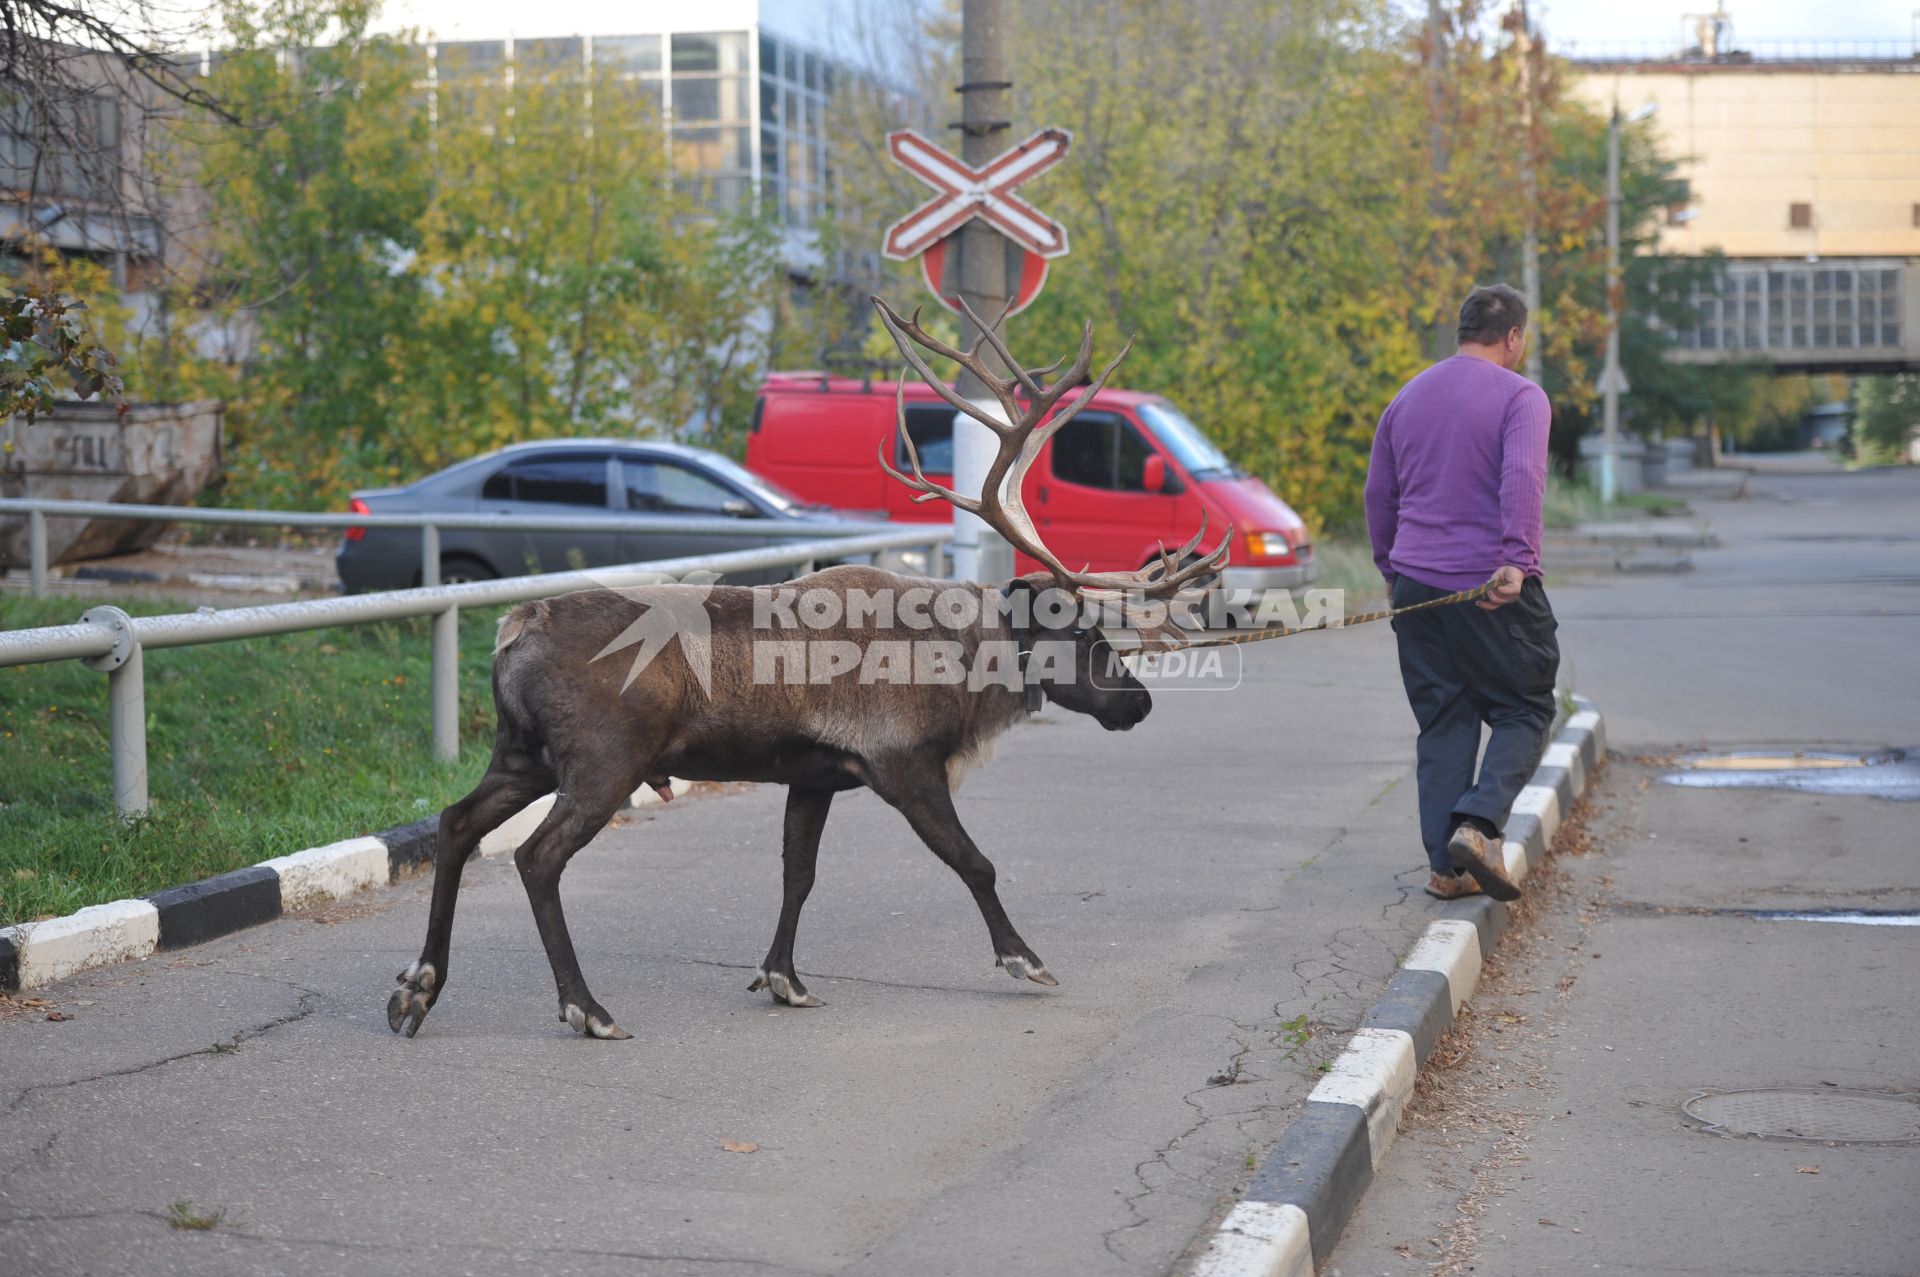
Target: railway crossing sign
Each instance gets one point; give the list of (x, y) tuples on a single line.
[(964, 193)]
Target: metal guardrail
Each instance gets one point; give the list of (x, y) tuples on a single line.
[(109, 640), (38, 511)]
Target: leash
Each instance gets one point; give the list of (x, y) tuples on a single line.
[(1288, 631)]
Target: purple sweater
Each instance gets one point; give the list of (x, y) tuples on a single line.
[(1458, 474)]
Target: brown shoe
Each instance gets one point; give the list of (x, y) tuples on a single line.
[(1480, 856), (1451, 886)]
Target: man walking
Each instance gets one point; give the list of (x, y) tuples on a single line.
[(1453, 499)]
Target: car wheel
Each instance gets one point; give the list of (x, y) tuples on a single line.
[(458, 569)]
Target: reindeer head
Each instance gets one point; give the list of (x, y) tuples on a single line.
[(1146, 605)]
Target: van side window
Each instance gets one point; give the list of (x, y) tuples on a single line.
[(1099, 450), (569, 480), (930, 426)]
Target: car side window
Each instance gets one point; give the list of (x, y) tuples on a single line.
[(665, 487), (1099, 450), (930, 426), (553, 480)]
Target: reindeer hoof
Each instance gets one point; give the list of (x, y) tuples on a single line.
[(1021, 969), (413, 999), (785, 989), (592, 1024)]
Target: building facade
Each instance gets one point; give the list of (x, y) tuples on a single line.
[(1804, 172)]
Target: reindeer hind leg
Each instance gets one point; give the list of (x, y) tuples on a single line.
[(579, 814), (806, 817)]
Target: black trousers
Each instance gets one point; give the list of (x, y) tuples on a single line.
[(1464, 666)]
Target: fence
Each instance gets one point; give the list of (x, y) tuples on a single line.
[(109, 640), (38, 511)]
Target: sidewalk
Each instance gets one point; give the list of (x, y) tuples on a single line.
[(1554, 1136), (1559, 1139)]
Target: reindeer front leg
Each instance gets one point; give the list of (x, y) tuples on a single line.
[(806, 817), (919, 789)]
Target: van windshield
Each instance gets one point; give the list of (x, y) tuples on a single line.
[(1196, 453)]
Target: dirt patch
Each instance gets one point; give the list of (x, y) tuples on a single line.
[(1487, 1086)]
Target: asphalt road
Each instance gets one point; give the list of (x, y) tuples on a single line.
[(1222, 893), (1655, 967)]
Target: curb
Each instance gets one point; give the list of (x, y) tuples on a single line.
[(1311, 1180), (33, 954)]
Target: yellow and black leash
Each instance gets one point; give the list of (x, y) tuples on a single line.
[(1288, 631)]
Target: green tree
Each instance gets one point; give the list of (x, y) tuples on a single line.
[(411, 272), (1886, 418)]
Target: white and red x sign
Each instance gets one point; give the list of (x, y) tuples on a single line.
[(967, 193)]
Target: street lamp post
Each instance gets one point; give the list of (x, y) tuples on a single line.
[(1613, 382)]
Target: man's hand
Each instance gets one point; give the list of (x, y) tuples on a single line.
[(1506, 588)]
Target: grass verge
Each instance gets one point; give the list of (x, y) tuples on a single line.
[(254, 749), (1568, 505)]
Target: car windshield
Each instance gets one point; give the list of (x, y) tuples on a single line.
[(1186, 441), (766, 489)]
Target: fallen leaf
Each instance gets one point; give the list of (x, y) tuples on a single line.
[(1806, 1170), (57, 1016), (740, 1146), (1508, 1017), (1549, 1223)]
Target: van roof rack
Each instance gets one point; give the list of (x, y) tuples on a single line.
[(853, 361)]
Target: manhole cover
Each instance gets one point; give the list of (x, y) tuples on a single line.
[(1828, 1115)]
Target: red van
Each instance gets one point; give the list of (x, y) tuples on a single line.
[(1126, 475)]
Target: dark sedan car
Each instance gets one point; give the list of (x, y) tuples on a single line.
[(642, 483)]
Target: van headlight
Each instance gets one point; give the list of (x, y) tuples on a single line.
[(1268, 545)]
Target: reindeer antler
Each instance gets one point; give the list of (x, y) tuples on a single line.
[(1021, 434)]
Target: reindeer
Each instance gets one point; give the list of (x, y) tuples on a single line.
[(703, 709)]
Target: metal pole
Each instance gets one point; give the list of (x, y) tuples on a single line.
[(978, 552), (125, 668), (446, 685), (1610, 376), (1530, 190), (429, 555), (37, 553), (127, 719)]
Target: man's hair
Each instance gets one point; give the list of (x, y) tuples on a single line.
[(1490, 313)]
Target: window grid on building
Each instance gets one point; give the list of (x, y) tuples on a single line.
[(701, 84), (1776, 308)]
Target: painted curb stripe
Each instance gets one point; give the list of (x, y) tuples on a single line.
[(1259, 1239), (1452, 948), (1543, 803), (1323, 1163), (1375, 1075), (1489, 918), (506, 838), (1417, 1003), (216, 906), (1525, 829), (91, 937), (320, 874), (37, 953), (409, 845), (1320, 1164)]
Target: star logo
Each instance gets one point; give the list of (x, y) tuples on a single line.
[(673, 611)]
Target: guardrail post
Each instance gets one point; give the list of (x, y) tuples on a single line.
[(429, 554), (37, 553), (937, 560), (446, 685), (125, 669)]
